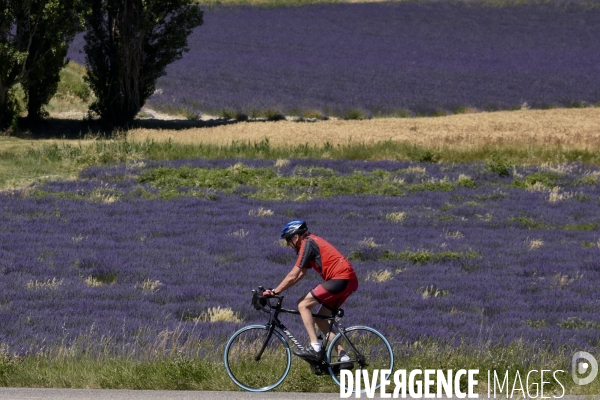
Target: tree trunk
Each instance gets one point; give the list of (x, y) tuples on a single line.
[(5, 116)]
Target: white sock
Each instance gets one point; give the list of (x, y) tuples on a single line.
[(344, 357), (316, 346)]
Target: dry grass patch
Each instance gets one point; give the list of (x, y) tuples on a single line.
[(240, 233), (282, 162), (557, 195), (383, 275), (260, 212), (48, 284), (569, 128), (432, 291), (533, 244), (93, 282), (218, 314), (149, 285), (396, 216), (368, 242), (560, 281), (455, 235)]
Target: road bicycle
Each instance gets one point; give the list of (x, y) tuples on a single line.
[(258, 357)]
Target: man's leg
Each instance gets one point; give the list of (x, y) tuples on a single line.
[(304, 306), (323, 324), (324, 327)]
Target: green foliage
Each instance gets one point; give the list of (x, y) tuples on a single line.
[(313, 114), (34, 38), (355, 114), (47, 158), (431, 185), (273, 115), (402, 113), (13, 107), (128, 46), (578, 323), (72, 83), (46, 57), (416, 257), (304, 184), (500, 166), (423, 155), (588, 180), (529, 223), (233, 114), (548, 179), (439, 113), (541, 323), (12, 58)]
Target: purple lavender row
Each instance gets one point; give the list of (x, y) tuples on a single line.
[(386, 57), (468, 265)]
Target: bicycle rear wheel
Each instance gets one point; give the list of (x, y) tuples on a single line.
[(257, 375), (368, 350)]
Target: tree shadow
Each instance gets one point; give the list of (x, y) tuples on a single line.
[(57, 128)]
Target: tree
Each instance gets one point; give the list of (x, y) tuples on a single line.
[(129, 44), (34, 36), (12, 59), (47, 53)]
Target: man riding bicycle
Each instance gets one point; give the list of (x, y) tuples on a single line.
[(337, 272)]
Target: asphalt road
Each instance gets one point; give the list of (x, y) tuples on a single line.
[(100, 394)]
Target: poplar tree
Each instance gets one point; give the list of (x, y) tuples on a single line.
[(34, 37), (129, 44)]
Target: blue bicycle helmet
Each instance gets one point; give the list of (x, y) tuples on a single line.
[(292, 228)]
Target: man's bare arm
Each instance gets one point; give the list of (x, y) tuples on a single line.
[(295, 275)]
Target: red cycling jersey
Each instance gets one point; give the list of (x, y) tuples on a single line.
[(319, 254)]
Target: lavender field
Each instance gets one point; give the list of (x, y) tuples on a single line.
[(455, 254), (395, 58)]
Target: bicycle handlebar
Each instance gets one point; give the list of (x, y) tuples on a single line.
[(261, 302)]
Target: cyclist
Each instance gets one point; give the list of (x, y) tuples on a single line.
[(337, 272)]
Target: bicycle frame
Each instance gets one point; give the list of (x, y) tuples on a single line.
[(275, 323)]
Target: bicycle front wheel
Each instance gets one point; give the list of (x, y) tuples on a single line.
[(367, 349), (248, 367)]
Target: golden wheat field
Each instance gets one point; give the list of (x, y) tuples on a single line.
[(570, 128)]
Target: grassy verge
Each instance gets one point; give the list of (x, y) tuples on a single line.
[(19, 167), (73, 94), (179, 372), (23, 162)]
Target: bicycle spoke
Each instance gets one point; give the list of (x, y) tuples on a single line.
[(366, 348), (257, 375)]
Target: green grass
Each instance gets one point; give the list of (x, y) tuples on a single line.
[(23, 161), (419, 257), (305, 183), (174, 373), (66, 368)]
